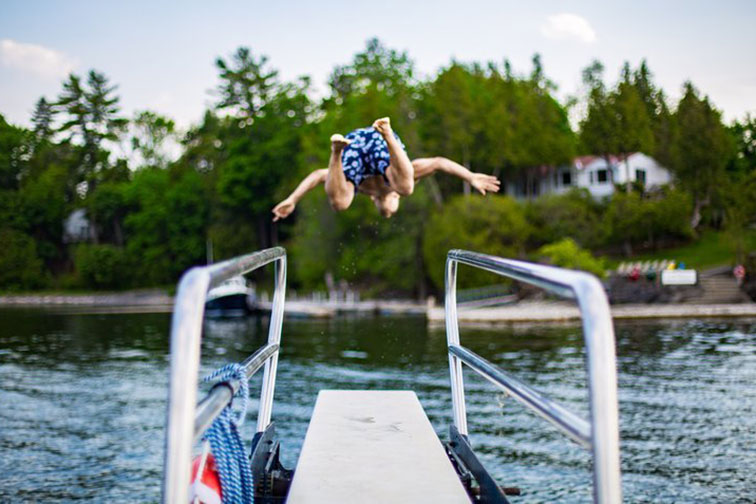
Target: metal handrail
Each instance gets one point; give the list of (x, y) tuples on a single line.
[(221, 394), (185, 418), (601, 434)]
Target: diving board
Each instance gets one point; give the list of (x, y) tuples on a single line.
[(373, 447)]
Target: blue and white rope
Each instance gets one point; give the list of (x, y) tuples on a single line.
[(226, 444)]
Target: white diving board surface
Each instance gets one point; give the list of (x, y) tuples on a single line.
[(373, 447)]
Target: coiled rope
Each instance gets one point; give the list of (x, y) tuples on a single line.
[(226, 444)]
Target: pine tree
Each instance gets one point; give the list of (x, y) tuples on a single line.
[(703, 149), (150, 131), (633, 126), (42, 119), (246, 84), (91, 113), (598, 128)]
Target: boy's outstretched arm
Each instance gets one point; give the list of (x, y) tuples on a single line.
[(480, 181), (284, 209)]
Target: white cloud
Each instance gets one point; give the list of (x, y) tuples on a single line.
[(35, 59), (567, 26)]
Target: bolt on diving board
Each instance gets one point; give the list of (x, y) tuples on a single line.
[(373, 447)]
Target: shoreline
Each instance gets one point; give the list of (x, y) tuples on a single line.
[(159, 301), (138, 301), (535, 312)]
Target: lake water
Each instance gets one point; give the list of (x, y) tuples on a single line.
[(82, 400)]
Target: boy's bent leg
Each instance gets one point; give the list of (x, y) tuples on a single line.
[(400, 173), (340, 191)]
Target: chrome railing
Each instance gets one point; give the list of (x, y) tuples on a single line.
[(187, 420), (601, 434)]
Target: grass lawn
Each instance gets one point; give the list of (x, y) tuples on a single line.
[(713, 248)]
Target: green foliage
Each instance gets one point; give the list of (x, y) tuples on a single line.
[(20, 267), (744, 139), (44, 207), (263, 157), (598, 125), (42, 119), (618, 120), (166, 228), (739, 193), (702, 150), (378, 82), (103, 266), (574, 214), (150, 132), (246, 85), (377, 66), (107, 206), (494, 123), (264, 143), (710, 249), (567, 254), (316, 247), (151, 217), (14, 153), (360, 246), (91, 113), (669, 214), (633, 219), (493, 225), (634, 132)]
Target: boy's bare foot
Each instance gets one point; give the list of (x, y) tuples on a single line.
[(338, 142), (383, 126)]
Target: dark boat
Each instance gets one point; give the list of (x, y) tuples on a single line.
[(232, 298)]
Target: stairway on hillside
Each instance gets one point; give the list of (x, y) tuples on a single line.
[(718, 289)]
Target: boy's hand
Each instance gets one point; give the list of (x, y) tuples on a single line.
[(283, 209), (482, 183)]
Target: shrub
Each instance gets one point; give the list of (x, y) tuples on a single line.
[(632, 219), (493, 225), (670, 216), (102, 266), (574, 214), (567, 254), (20, 266)]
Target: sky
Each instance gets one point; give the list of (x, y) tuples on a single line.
[(161, 54)]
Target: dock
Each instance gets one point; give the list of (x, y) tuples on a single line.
[(373, 447), (558, 311), (327, 309)]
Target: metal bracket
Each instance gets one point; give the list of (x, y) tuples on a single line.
[(467, 464), (272, 480)]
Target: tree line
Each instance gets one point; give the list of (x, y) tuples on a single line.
[(151, 217)]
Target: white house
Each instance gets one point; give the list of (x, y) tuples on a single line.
[(76, 227), (594, 174)]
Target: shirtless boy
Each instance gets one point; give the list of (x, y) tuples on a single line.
[(373, 161)]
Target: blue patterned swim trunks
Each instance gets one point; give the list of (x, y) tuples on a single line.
[(366, 156)]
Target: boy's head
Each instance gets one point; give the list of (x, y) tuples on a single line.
[(388, 204)]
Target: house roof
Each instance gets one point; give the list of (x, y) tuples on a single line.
[(581, 162)]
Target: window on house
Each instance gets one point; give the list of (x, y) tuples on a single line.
[(590, 177), (566, 178), (640, 176), (602, 176)]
